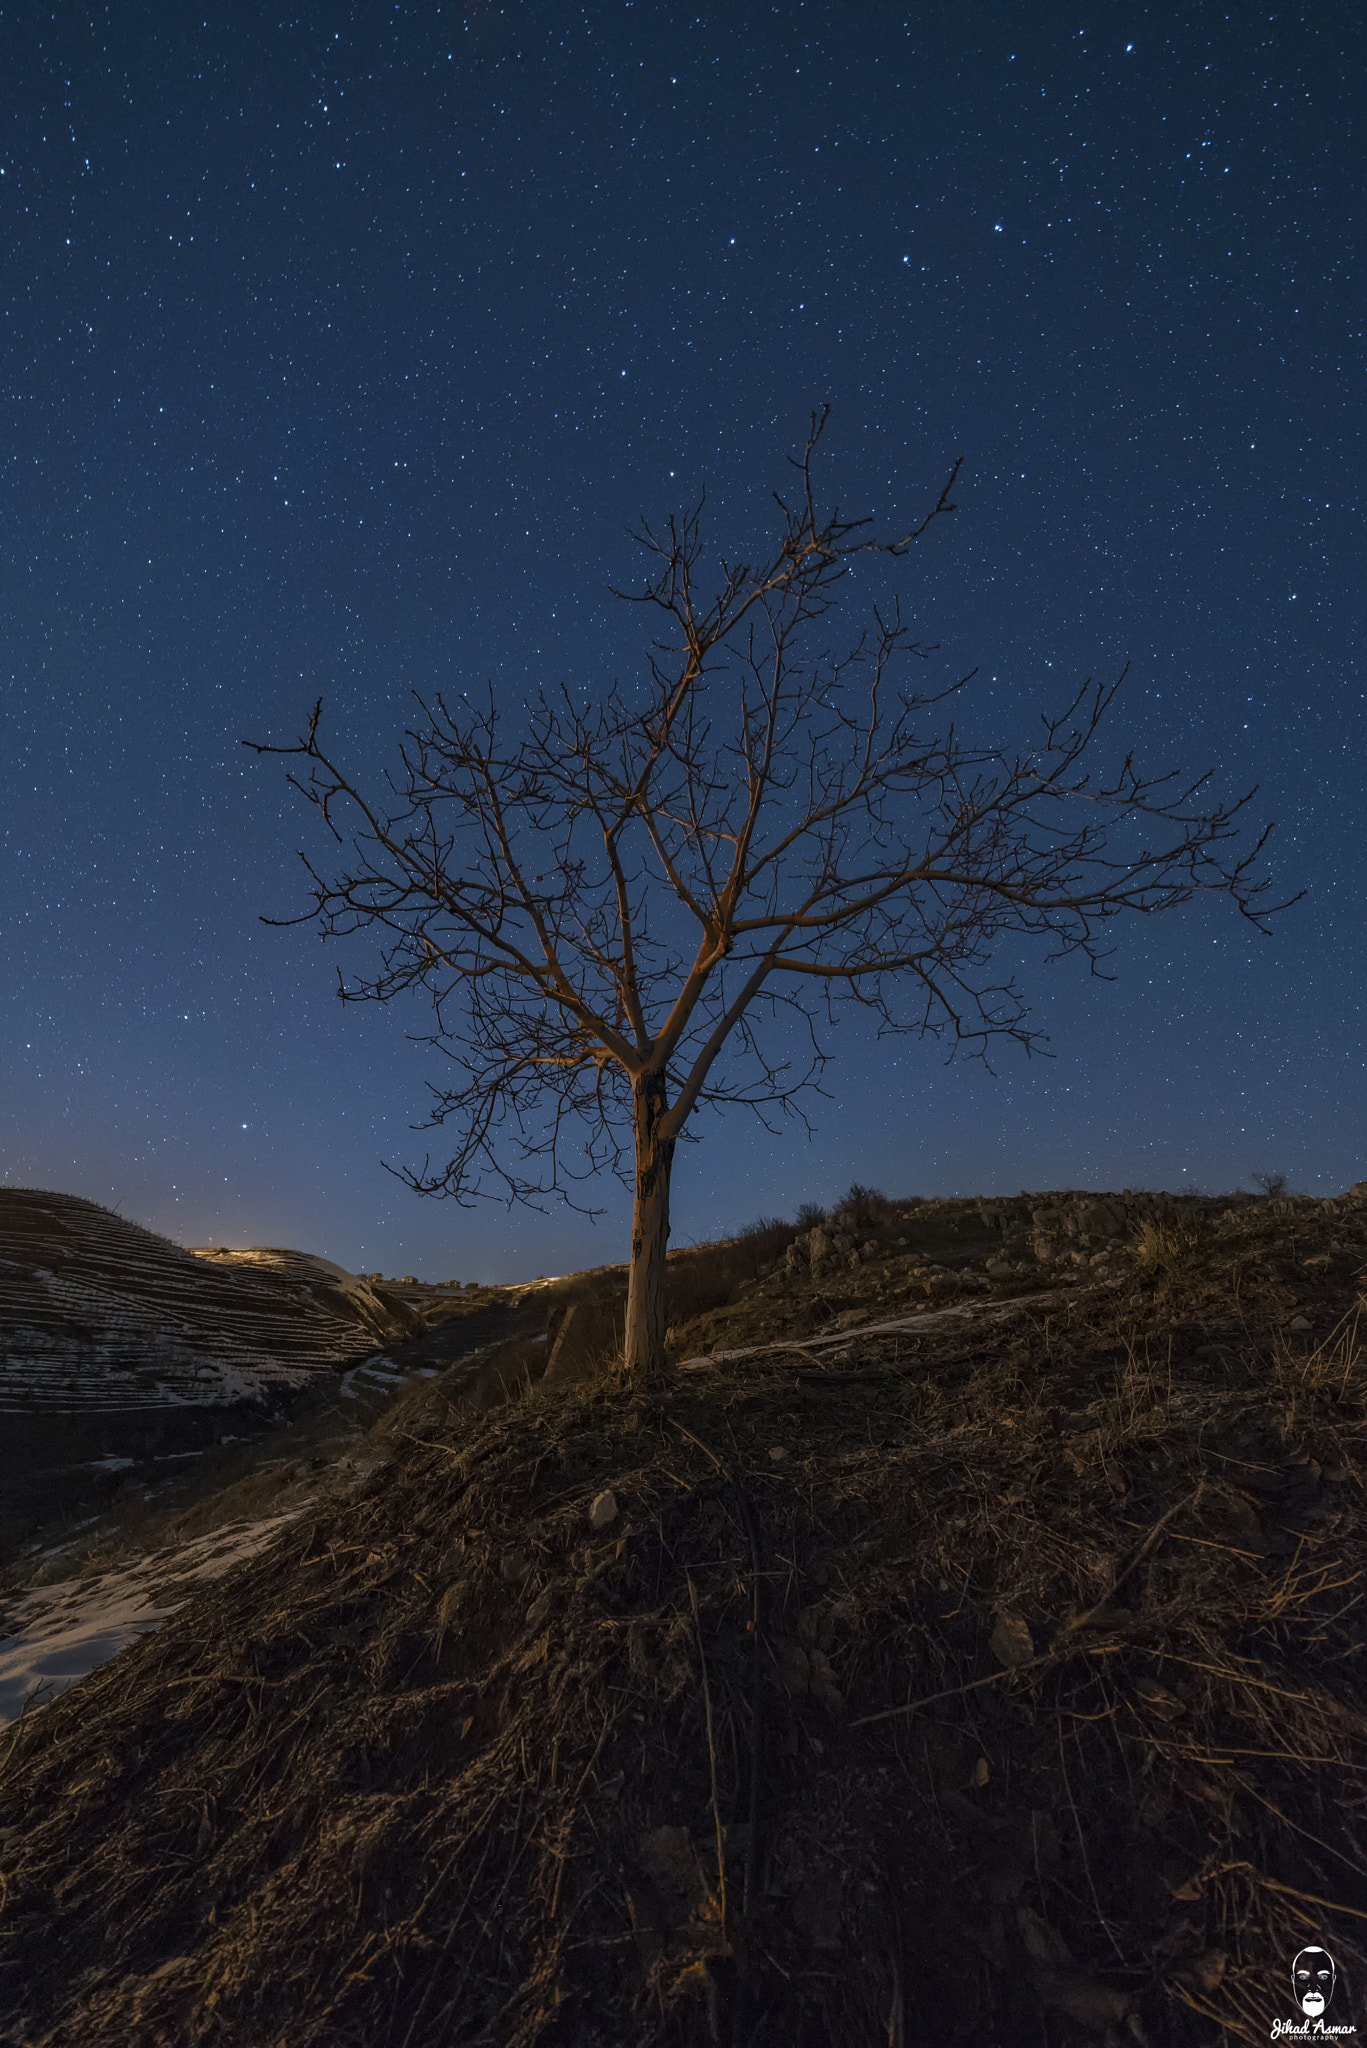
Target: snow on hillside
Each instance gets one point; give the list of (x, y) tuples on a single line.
[(55, 1635)]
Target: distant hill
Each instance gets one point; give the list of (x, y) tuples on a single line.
[(116, 1344)]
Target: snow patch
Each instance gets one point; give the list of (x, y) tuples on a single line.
[(56, 1635)]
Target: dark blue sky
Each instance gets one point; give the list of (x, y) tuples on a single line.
[(338, 352)]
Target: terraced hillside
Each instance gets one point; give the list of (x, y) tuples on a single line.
[(117, 1346)]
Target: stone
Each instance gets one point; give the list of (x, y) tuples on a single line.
[(1100, 1219), (1011, 1642), (668, 1854), (540, 1609), (603, 1513), (820, 1251)]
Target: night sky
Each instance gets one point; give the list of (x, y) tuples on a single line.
[(339, 351)]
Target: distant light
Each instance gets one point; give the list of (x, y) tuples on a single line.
[(996, 227)]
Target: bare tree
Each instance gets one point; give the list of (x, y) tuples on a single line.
[(610, 910)]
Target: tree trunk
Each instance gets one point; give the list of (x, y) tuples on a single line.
[(645, 1330)]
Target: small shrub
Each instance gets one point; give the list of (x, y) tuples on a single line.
[(864, 1206), (1273, 1185), (811, 1216)]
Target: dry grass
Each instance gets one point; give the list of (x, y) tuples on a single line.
[(1018, 1700), (1166, 1244), (711, 1276)]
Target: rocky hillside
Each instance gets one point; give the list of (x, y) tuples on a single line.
[(117, 1345), (879, 1256)]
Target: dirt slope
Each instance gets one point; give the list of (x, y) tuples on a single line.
[(1000, 1683)]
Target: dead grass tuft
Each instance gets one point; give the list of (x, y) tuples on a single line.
[(1166, 1244)]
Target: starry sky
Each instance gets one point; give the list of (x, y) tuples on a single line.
[(341, 346)]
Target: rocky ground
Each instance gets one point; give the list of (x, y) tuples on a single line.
[(992, 1677)]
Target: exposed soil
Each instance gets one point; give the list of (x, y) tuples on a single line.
[(997, 1683)]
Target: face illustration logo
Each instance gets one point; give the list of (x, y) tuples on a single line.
[(1312, 1981)]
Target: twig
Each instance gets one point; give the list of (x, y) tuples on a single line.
[(1082, 1845), (701, 1445), (711, 1758), (757, 1699), (803, 1350), (1080, 1621), (29, 1699), (1271, 1884), (1221, 1752), (449, 1937), (1302, 1699), (975, 1684)]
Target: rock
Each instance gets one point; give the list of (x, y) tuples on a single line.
[(1206, 1971), (820, 1251), (603, 1513), (668, 1854), (1300, 1323), (1100, 1219), (540, 1609), (777, 1454), (514, 1566), (1011, 1642)]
